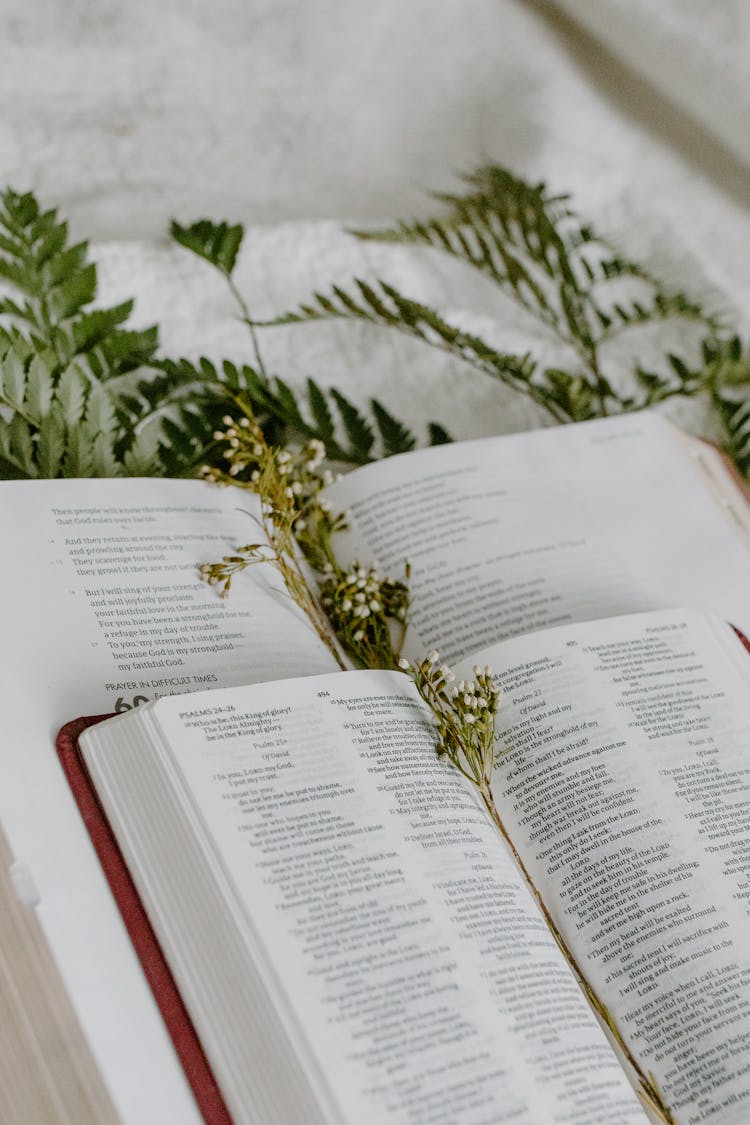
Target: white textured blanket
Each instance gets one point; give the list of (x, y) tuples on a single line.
[(296, 118)]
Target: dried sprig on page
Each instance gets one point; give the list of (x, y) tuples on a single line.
[(464, 715), (365, 612)]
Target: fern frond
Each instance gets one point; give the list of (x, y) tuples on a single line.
[(57, 352), (381, 304), (55, 422), (508, 230), (534, 248), (58, 284)]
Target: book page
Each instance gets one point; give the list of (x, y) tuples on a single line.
[(625, 784), (396, 937), (514, 534), (101, 610)]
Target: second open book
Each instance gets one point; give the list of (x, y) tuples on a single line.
[(352, 940), (102, 610)]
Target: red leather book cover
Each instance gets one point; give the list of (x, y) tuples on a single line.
[(160, 979)]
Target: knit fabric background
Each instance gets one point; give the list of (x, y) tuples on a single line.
[(298, 119), (304, 119)]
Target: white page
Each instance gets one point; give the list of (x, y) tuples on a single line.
[(513, 534), (626, 787), (394, 929), (100, 604)]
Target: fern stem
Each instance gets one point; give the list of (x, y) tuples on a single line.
[(247, 320), (14, 406), (602, 388)]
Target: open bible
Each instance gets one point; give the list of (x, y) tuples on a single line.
[(103, 611), (352, 941)]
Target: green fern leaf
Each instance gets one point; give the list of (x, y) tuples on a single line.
[(51, 444), (17, 276), (438, 435), (20, 445), (79, 454), (69, 263), (395, 436), (71, 395), (40, 387), (735, 415), (52, 237), (100, 413), (321, 412), (94, 327), (105, 462), (358, 430), (119, 352), (76, 289), (141, 459), (218, 243), (12, 380)]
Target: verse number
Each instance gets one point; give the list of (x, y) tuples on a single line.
[(123, 705)]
